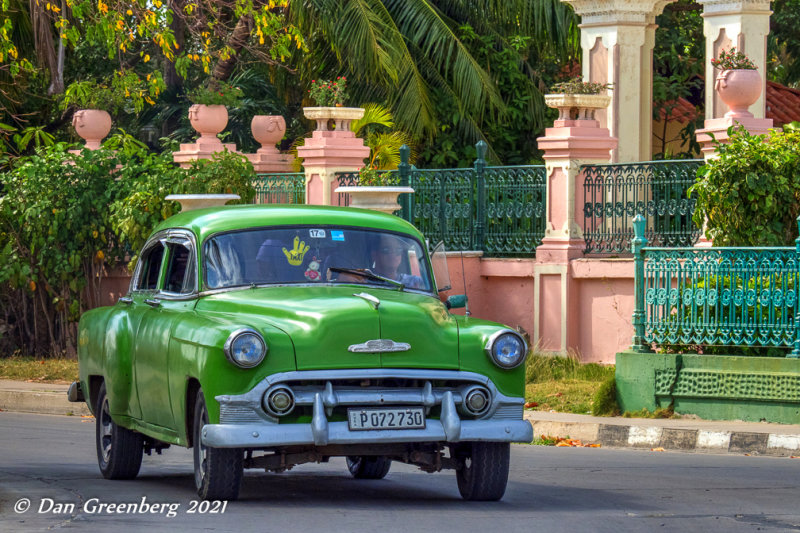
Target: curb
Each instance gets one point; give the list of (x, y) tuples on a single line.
[(45, 399), (656, 434)]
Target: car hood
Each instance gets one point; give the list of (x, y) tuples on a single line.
[(330, 326)]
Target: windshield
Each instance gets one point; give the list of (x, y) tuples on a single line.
[(306, 254)]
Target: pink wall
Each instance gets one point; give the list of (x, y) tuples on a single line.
[(599, 300)]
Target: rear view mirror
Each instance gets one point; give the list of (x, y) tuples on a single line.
[(456, 301)]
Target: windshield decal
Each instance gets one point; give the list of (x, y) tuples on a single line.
[(337, 235), (316, 233), (296, 254)]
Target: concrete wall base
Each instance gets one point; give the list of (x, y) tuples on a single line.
[(713, 387)]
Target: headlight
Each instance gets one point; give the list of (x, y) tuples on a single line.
[(507, 349), (245, 348)]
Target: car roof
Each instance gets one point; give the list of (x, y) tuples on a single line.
[(208, 221)]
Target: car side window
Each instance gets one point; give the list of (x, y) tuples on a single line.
[(180, 274), (151, 266)]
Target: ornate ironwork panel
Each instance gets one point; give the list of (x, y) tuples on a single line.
[(720, 296), (443, 206), (346, 179), (614, 194), (280, 188), (515, 209)]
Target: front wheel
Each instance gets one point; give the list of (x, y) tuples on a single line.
[(217, 471), (482, 474), (119, 450), (368, 466)]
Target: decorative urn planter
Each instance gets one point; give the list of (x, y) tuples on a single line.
[(383, 199), (199, 201), (268, 130), (577, 106), (341, 116), (739, 89), (92, 125), (208, 120)]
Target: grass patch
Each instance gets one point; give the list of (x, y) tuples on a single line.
[(661, 412), (564, 384), (54, 370)]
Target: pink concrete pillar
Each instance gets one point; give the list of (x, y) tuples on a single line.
[(268, 130), (575, 139), (329, 151)]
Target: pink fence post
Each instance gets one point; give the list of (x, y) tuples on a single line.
[(329, 151), (576, 139)]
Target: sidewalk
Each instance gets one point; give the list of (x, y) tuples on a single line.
[(707, 436)]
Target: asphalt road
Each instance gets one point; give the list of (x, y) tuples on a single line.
[(51, 462)]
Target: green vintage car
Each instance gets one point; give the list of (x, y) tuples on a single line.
[(271, 336)]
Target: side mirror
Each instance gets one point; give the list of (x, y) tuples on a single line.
[(456, 301)]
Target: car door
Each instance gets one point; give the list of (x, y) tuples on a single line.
[(172, 296)]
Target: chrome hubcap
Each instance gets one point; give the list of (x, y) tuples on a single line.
[(106, 431), (200, 451)]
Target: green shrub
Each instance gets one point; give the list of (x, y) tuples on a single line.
[(750, 194), (604, 402), (65, 218)]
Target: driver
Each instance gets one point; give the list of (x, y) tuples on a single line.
[(387, 261)]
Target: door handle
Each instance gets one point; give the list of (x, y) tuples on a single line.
[(153, 302), (126, 300)]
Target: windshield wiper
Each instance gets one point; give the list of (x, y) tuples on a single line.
[(367, 273)]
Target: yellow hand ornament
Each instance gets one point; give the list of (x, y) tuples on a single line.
[(296, 254)]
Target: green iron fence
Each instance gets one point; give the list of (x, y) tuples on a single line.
[(287, 188), (499, 210), (614, 194), (715, 296)]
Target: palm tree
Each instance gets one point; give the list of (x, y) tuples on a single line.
[(404, 51)]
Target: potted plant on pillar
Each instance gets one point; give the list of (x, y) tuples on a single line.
[(329, 97), (97, 101), (209, 114), (738, 82), (577, 99)]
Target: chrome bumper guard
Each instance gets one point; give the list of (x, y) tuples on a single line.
[(244, 424)]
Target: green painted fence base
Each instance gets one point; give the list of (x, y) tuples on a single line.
[(713, 387)]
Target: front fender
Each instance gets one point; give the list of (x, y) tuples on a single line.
[(473, 334), (196, 352)]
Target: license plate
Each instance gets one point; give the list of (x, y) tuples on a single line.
[(386, 418)]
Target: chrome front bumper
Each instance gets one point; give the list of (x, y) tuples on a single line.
[(244, 424)]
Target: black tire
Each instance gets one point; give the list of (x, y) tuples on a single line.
[(217, 471), (119, 450), (483, 471), (368, 466)]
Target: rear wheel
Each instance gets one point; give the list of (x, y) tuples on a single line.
[(483, 471), (368, 466), (217, 471), (119, 450)]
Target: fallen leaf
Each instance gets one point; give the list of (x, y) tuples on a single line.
[(531, 404), (659, 449)]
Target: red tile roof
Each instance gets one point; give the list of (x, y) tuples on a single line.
[(783, 104), (683, 111)]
